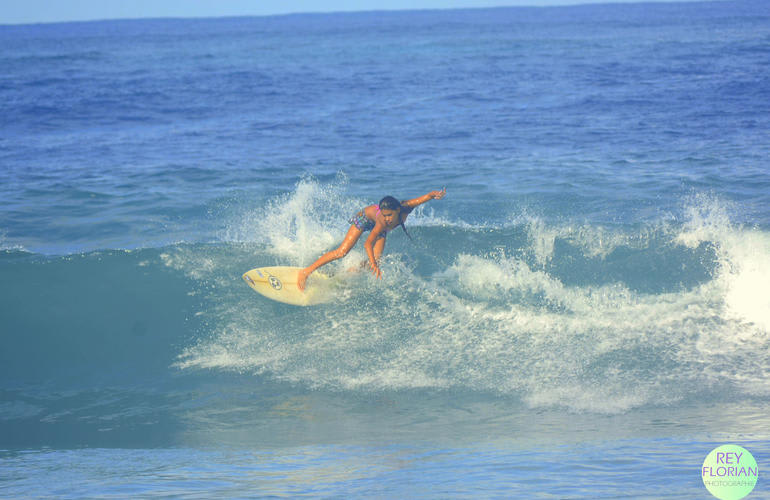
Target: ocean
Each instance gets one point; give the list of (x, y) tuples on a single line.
[(586, 314)]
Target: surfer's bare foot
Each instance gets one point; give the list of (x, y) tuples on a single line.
[(301, 279)]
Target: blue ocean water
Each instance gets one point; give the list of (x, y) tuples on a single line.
[(585, 315)]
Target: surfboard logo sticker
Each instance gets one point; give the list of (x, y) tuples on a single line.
[(275, 283), (248, 278)]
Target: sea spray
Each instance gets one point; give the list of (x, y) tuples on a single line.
[(513, 321)]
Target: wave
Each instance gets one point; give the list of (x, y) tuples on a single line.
[(577, 316), (580, 316)]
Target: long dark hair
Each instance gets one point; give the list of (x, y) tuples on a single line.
[(390, 203)]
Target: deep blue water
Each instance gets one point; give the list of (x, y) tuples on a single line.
[(585, 315)]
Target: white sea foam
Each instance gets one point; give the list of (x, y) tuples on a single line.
[(297, 226), (5, 245), (505, 324), (743, 254)]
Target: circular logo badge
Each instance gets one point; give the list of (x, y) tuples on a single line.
[(275, 283), (729, 472)]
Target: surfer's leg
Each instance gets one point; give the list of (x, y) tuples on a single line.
[(349, 242)]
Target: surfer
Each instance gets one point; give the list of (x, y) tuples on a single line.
[(379, 219)]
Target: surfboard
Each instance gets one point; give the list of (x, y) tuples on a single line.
[(280, 283)]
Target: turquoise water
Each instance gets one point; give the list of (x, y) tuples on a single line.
[(585, 315)]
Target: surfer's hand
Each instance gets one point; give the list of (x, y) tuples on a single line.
[(376, 271), (437, 195)]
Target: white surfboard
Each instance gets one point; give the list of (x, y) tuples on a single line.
[(280, 283)]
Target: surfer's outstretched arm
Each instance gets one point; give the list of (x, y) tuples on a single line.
[(433, 195), (374, 245)]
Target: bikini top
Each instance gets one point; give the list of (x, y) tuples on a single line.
[(375, 219)]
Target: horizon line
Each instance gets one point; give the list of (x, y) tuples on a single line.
[(579, 3)]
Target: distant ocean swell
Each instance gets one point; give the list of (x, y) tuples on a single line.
[(572, 315)]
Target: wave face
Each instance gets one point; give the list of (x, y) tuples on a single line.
[(563, 317), (580, 316)]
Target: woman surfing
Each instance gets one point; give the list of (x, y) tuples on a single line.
[(380, 219)]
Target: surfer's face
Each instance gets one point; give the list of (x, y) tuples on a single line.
[(390, 216)]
